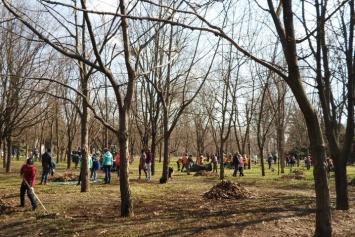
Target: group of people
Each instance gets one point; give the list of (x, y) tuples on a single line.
[(145, 164), (239, 162), (186, 161), (94, 166)]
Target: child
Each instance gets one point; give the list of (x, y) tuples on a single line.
[(95, 166), (28, 173)]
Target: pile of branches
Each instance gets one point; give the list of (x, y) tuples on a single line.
[(205, 173), (227, 190), (296, 174), (66, 177)]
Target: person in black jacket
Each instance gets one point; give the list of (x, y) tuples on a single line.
[(236, 163), (47, 163)]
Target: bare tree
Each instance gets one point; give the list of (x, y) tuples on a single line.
[(175, 80), (123, 97), (329, 71), (291, 74), (19, 96)]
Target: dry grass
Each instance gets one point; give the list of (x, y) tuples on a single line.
[(278, 207)]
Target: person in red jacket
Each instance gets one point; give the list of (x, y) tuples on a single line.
[(184, 161), (28, 173), (118, 162)]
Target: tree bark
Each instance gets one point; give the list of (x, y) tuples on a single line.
[(287, 36), (126, 195), (9, 152)]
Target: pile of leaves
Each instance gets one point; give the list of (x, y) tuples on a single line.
[(227, 190), (3, 206), (205, 173), (296, 174), (352, 182), (66, 177)]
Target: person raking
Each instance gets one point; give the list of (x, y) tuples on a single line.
[(28, 173)]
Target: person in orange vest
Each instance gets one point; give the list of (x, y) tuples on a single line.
[(184, 160), (245, 161), (179, 163)]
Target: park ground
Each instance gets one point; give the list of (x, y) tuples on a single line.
[(277, 205)]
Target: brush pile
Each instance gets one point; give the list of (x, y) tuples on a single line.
[(205, 173), (227, 190), (66, 177)]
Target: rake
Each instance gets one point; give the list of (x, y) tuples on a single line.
[(47, 213)]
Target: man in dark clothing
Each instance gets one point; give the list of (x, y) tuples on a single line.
[(75, 158), (46, 166), (28, 173), (269, 160), (235, 163)]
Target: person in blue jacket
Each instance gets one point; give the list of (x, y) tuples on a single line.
[(107, 162), (95, 166)]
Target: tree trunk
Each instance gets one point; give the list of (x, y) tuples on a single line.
[(280, 149), (221, 166), (84, 170), (84, 117), (57, 131), (261, 154), (165, 176), (85, 184), (124, 111), (3, 155), (9, 152), (341, 184), (126, 196), (323, 213), (288, 41), (69, 149), (153, 149)]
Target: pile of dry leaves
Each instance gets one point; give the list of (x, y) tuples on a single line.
[(66, 177), (352, 182), (296, 174), (227, 190), (3, 206)]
